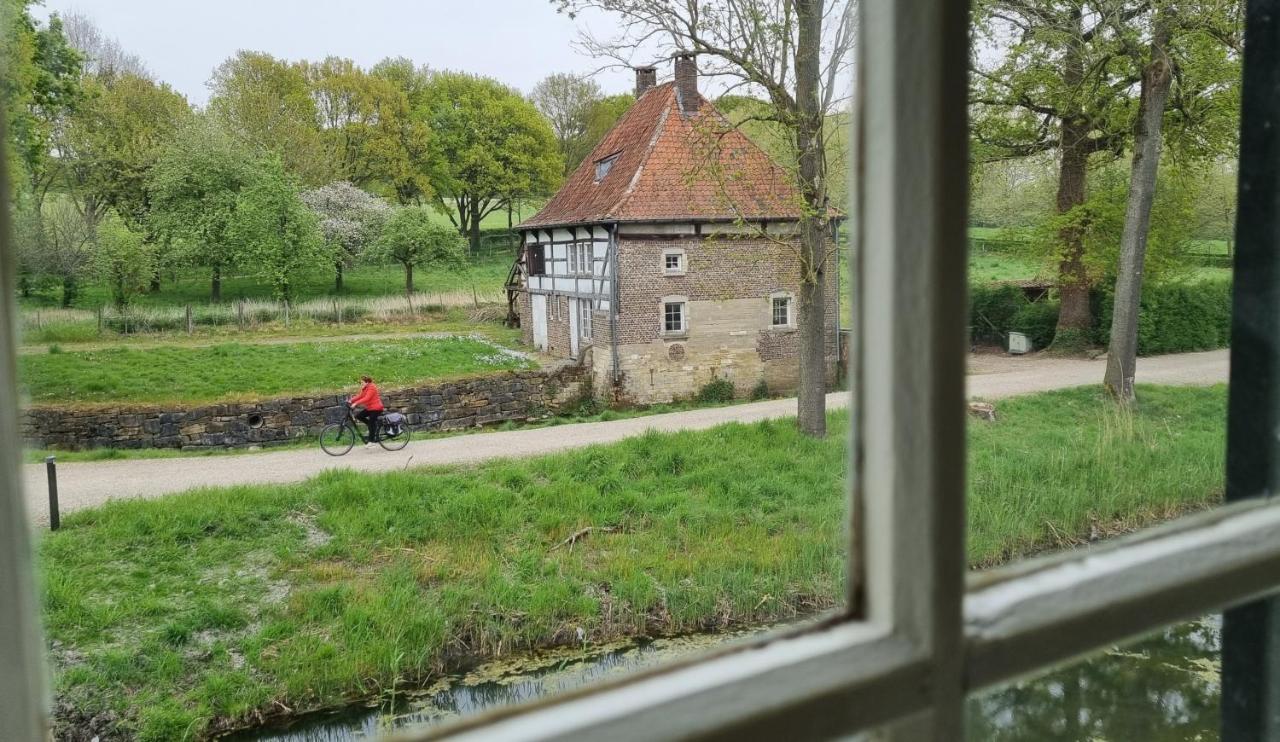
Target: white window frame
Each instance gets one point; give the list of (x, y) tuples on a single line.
[(681, 266), (585, 309), (683, 301), (790, 298), (918, 632)]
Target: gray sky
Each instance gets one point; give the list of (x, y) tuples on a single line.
[(516, 41)]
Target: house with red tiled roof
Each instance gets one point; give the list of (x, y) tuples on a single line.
[(670, 258)]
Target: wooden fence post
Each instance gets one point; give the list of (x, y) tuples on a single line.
[(240, 313), (191, 325), (100, 313), (286, 312)]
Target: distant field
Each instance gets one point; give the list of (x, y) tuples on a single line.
[(180, 374), (486, 274)]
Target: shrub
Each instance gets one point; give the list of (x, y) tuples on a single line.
[(717, 390), (994, 311), (1177, 317), (760, 390)]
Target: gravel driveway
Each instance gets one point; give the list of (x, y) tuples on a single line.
[(87, 484)]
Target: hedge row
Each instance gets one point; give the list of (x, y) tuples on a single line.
[(1174, 318)]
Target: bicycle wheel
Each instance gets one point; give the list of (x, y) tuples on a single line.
[(337, 439), (395, 443)]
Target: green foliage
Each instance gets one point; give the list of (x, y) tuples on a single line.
[(489, 144), (274, 233), (123, 261), (568, 101), (419, 562), (412, 238), (267, 103), (602, 116), (232, 371), (194, 188), (760, 391), (1178, 317), (997, 310), (715, 391)]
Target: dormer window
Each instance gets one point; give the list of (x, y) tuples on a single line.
[(603, 166)]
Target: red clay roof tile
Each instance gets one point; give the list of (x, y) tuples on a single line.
[(672, 167)]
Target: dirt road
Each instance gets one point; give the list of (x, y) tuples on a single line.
[(87, 484)]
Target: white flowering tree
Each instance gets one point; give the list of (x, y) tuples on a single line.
[(350, 220)]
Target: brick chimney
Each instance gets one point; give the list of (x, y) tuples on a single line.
[(646, 77), (687, 82)]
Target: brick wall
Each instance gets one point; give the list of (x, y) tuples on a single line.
[(727, 283), (451, 405)]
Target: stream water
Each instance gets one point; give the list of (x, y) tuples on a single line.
[(1163, 688)]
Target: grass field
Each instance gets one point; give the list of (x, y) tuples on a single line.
[(486, 274), (184, 374), (178, 617)]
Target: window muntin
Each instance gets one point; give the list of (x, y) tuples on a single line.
[(673, 262), (674, 317), (584, 318), (780, 311), (580, 259)]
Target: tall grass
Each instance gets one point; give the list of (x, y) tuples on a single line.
[(182, 615)]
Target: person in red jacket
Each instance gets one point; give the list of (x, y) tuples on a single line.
[(371, 401)]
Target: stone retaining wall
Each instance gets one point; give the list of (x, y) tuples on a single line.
[(449, 405)]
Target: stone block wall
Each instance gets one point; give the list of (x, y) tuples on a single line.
[(449, 405)]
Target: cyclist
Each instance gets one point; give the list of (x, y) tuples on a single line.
[(371, 401)]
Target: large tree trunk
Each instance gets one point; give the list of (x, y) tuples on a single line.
[(1074, 316), (337, 281), (812, 411), (408, 278), (1123, 350), (68, 290), (215, 285)]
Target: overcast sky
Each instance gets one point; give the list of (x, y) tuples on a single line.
[(516, 41)]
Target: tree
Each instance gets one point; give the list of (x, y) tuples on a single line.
[(350, 220), (267, 102), (62, 245), (103, 56), (194, 189), (794, 55), (413, 239), (568, 101), (123, 260), (1063, 78), (407, 174), (490, 145), (273, 232), (40, 87)]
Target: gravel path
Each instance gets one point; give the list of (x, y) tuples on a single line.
[(87, 484)]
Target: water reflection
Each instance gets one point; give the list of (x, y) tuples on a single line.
[(1164, 688), (491, 686)]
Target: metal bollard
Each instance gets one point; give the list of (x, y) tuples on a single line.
[(51, 468)]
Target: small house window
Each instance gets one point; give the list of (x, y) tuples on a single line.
[(673, 317), (584, 319), (537, 260), (673, 262), (603, 166), (580, 258), (781, 314)]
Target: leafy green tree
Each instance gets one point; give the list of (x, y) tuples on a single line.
[(267, 102), (567, 101), (350, 220), (39, 88), (490, 145), (273, 232), (1063, 78), (59, 244), (406, 170), (194, 190), (413, 238), (123, 260)]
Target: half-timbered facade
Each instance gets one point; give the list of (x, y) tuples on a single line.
[(670, 258)]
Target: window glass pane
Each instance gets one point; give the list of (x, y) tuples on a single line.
[(1163, 688), (286, 587), (1064, 451)]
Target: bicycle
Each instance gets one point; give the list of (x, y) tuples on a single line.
[(336, 439)]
